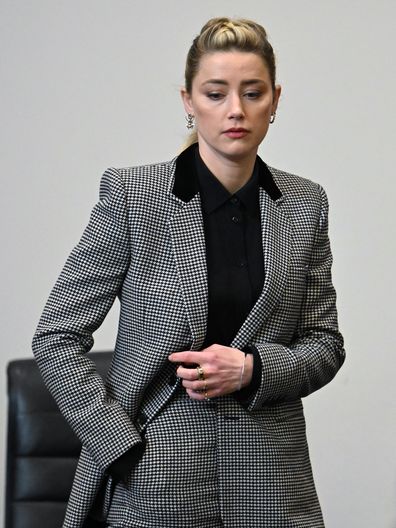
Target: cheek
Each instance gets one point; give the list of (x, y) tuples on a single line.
[(205, 120), (264, 117), (262, 120), (262, 126)]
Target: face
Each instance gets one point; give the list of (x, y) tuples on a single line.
[(232, 100)]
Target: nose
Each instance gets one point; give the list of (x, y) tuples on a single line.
[(236, 110)]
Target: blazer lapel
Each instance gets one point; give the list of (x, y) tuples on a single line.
[(188, 244), (276, 239)]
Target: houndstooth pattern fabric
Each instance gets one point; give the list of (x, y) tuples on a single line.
[(158, 491), (145, 245)]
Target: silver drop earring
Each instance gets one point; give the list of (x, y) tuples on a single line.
[(272, 118), (190, 121)]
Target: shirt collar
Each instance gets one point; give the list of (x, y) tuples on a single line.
[(185, 180), (214, 194)]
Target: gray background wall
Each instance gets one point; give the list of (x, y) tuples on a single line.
[(93, 83)]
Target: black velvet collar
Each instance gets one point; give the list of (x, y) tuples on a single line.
[(186, 185), (214, 194)]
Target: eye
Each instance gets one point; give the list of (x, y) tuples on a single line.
[(252, 94), (215, 96)]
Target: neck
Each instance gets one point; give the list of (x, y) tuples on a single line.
[(231, 173)]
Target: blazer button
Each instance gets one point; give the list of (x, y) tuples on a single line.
[(142, 418)]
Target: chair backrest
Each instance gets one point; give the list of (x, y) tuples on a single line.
[(42, 450)]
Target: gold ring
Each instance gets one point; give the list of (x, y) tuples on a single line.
[(206, 396), (201, 374)]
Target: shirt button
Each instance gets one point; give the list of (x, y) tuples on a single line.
[(235, 219), (234, 200), (242, 264)]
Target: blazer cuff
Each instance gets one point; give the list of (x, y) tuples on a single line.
[(245, 395), (123, 465)]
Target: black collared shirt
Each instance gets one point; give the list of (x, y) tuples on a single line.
[(234, 258), (234, 253)]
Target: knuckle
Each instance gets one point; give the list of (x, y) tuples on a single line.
[(213, 370), (212, 357)]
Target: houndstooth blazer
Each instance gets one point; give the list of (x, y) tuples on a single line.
[(145, 244)]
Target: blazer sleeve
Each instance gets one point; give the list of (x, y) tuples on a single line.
[(316, 352), (83, 294)]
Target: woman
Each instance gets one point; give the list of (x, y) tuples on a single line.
[(228, 318)]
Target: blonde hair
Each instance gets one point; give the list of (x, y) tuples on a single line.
[(226, 34)]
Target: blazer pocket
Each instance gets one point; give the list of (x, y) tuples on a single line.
[(301, 268), (279, 412), (298, 271)]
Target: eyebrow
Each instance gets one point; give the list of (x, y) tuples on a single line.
[(225, 83)]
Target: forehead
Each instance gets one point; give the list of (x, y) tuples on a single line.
[(230, 65)]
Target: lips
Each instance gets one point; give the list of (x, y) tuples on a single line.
[(236, 132)]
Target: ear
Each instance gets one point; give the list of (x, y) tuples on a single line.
[(186, 98), (277, 94)]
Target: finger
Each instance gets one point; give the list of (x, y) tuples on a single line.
[(197, 386), (187, 373), (195, 395), (203, 395), (188, 356)]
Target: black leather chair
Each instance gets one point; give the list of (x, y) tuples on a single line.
[(42, 450)]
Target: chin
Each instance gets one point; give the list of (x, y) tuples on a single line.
[(239, 150)]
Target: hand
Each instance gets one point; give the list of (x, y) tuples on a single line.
[(222, 367)]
